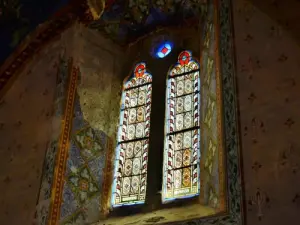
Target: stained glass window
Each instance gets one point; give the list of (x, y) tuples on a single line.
[(164, 50), (130, 176), (182, 130)]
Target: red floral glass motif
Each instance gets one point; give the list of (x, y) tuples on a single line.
[(184, 57), (140, 70)]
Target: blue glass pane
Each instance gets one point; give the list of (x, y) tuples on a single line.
[(163, 50)]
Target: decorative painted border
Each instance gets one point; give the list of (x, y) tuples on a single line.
[(224, 38), (107, 181), (62, 154)]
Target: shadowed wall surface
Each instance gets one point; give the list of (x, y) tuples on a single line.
[(26, 116), (268, 77), (95, 116)]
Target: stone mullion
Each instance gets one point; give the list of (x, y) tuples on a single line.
[(220, 139)]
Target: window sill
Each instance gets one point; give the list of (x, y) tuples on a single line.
[(162, 216)]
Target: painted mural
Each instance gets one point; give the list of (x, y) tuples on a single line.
[(42, 210), (84, 172), (94, 122)]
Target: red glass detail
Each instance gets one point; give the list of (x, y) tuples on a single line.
[(164, 50), (140, 70), (184, 57)]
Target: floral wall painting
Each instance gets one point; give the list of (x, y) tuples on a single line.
[(63, 65), (84, 172)]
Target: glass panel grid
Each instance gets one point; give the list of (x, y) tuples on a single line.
[(130, 175), (182, 140)]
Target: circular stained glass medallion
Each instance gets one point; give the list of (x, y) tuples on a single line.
[(163, 50)]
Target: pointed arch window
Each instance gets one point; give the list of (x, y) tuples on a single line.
[(181, 166), (130, 175)]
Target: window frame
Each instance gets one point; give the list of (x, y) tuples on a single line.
[(132, 209), (220, 15), (167, 134), (220, 19), (128, 85)]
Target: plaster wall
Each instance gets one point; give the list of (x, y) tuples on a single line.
[(269, 106), (94, 127), (27, 122)]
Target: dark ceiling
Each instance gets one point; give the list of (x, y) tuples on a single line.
[(285, 12), (123, 20), (20, 17), (126, 20)]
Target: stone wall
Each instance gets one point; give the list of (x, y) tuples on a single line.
[(96, 114), (212, 182), (101, 63), (268, 79)]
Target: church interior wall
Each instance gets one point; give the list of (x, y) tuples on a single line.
[(267, 65)]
